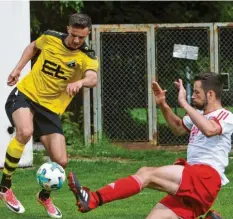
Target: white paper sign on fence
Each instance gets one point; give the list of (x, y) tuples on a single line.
[(185, 52)]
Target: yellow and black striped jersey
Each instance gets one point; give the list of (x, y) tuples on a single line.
[(56, 67)]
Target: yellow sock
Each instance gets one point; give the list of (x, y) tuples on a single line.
[(13, 154)]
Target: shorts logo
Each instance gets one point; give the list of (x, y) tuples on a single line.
[(71, 64)]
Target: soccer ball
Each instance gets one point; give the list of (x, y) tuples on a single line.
[(51, 176)]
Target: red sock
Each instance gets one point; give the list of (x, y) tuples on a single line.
[(122, 188)]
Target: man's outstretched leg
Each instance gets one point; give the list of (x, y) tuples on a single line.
[(120, 189), (166, 178)]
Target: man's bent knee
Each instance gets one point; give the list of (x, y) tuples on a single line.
[(23, 135), (63, 162), (144, 174)]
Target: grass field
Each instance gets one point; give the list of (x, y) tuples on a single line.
[(96, 168), (140, 114)]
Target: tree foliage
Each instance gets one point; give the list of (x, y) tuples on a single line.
[(54, 14), (51, 15), (117, 12)]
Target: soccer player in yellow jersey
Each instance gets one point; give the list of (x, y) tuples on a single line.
[(64, 66)]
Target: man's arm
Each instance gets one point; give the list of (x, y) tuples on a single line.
[(173, 121), (207, 127), (29, 52), (90, 79)]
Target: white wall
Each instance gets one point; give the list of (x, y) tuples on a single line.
[(14, 37)]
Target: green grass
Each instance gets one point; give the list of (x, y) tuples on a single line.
[(98, 171), (139, 115)]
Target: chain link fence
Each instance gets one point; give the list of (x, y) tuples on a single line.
[(124, 86), (226, 62), (224, 57), (131, 57), (169, 69)]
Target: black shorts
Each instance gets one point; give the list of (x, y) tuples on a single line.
[(45, 121)]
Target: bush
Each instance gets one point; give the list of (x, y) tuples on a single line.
[(72, 131)]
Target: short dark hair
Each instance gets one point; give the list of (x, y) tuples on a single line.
[(80, 21), (211, 81)]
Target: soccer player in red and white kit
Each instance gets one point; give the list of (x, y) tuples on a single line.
[(191, 186)]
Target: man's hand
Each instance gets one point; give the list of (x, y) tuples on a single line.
[(160, 95), (182, 92), (13, 77), (73, 88)]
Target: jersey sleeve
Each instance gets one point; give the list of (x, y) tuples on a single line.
[(187, 122), (225, 120), (40, 41), (90, 63)]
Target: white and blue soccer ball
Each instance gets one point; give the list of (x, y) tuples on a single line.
[(51, 176)]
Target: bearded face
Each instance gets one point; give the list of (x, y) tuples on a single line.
[(199, 99)]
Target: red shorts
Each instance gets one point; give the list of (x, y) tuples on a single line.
[(198, 190)]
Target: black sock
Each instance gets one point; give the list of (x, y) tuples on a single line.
[(44, 194), (5, 183)]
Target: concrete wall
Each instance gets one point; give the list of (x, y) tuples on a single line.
[(14, 37)]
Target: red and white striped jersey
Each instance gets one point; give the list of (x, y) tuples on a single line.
[(213, 151)]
